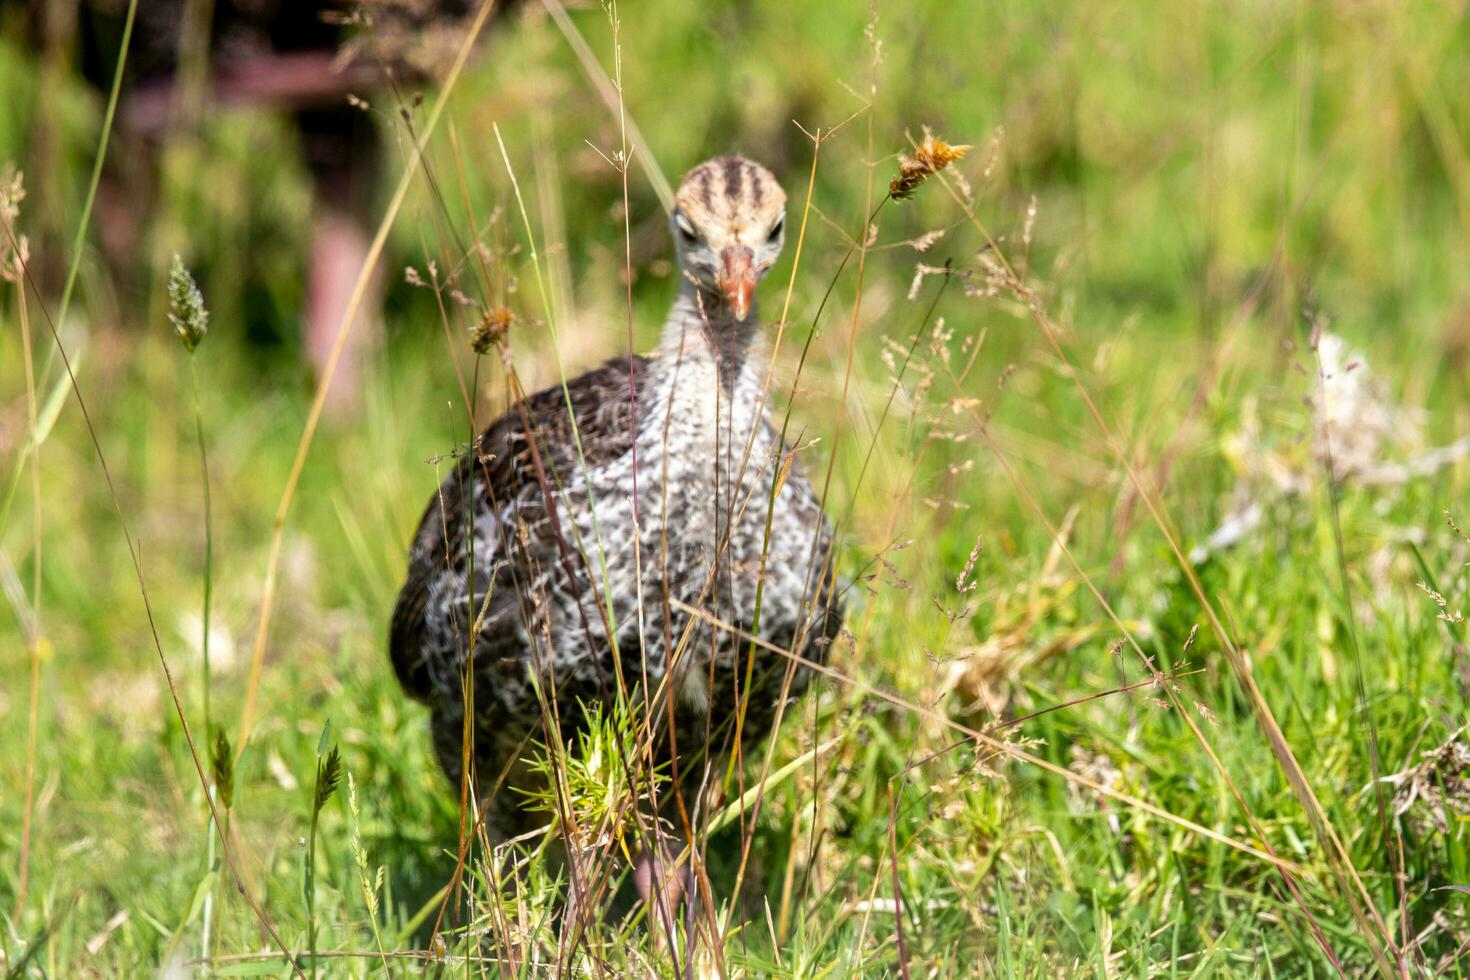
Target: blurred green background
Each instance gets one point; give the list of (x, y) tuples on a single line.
[(1201, 178)]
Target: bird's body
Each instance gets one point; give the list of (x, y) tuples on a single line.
[(554, 539)]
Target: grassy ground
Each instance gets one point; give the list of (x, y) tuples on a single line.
[(1181, 192)]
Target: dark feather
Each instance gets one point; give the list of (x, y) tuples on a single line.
[(504, 458)]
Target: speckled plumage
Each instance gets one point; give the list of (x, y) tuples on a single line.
[(544, 537)]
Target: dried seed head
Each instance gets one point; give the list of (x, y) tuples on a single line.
[(12, 192), (1450, 520), (926, 241), (186, 306), (491, 329), (13, 258), (963, 582), (929, 157), (15, 248)]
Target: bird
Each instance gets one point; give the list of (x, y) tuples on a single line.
[(644, 528)]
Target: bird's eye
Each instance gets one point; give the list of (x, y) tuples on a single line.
[(686, 230), (777, 228)]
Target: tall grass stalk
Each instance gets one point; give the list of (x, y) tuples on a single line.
[(339, 344), (208, 542), (190, 320), (328, 775), (611, 90), (813, 586), (85, 221), (35, 640)]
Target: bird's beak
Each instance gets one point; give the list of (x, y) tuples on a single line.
[(737, 280)]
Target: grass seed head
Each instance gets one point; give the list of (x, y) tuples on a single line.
[(15, 248), (12, 192), (491, 329), (929, 157), (186, 306), (222, 762), (328, 775)]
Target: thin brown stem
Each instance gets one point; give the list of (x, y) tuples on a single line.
[(33, 641), (339, 344)]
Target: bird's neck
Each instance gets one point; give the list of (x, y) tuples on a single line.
[(702, 325)]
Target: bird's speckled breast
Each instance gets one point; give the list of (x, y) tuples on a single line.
[(703, 490)]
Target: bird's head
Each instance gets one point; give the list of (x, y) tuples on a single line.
[(729, 220)]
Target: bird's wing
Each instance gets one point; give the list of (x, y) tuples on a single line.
[(521, 458)]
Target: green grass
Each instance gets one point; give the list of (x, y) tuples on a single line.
[(1202, 173)]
